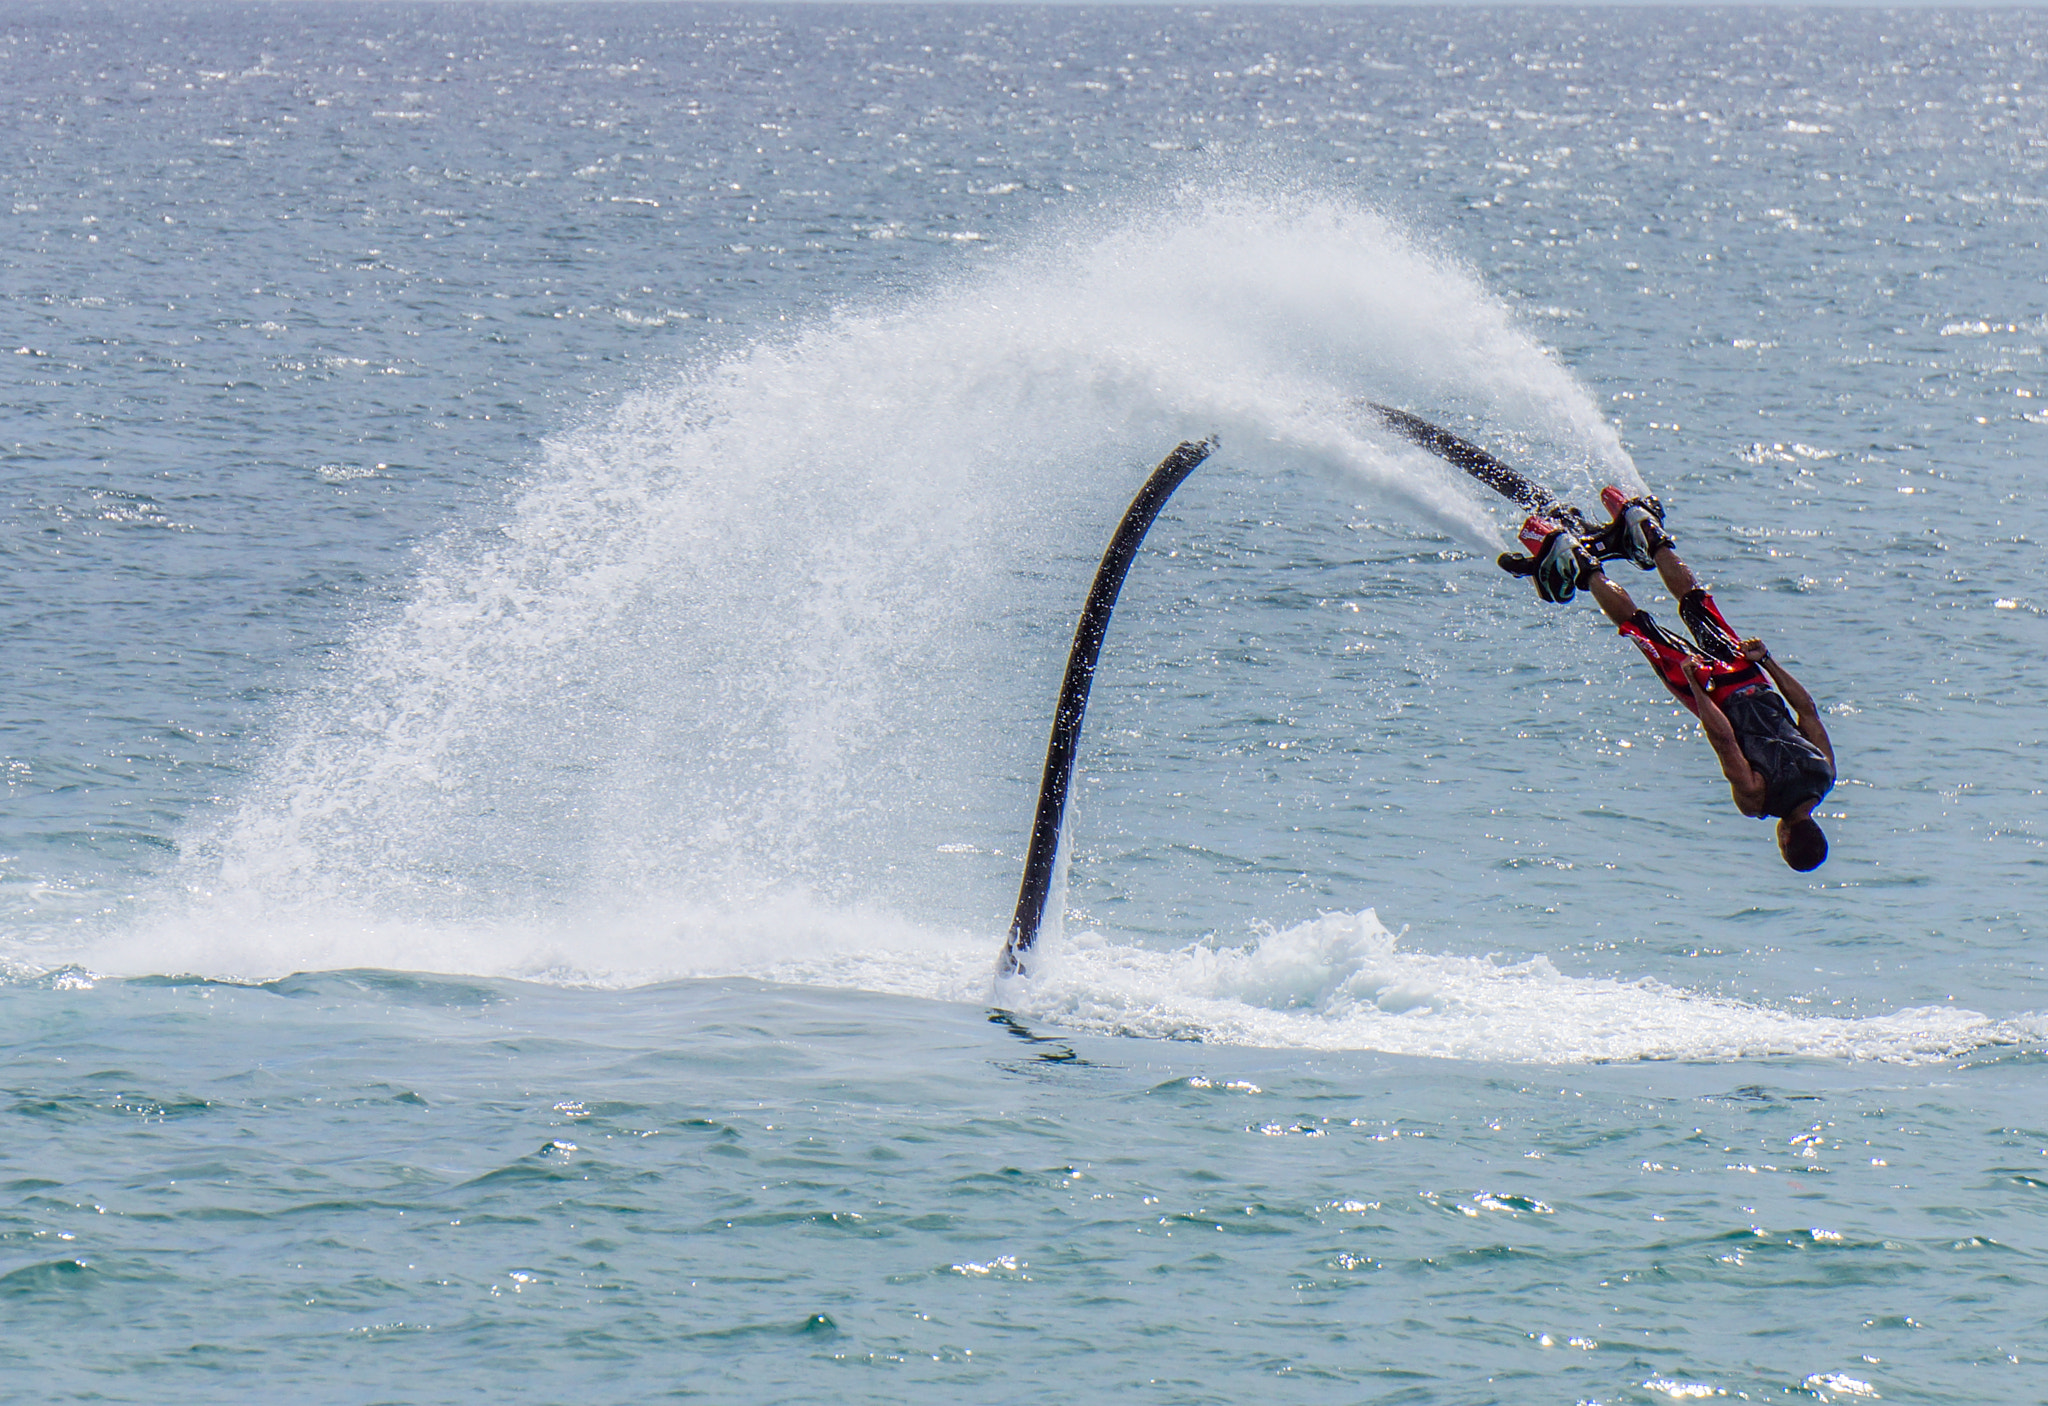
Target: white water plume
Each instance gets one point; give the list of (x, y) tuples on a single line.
[(768, 631)]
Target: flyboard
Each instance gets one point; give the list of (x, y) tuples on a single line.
[(1040, 861)]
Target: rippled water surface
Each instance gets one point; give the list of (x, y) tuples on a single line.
[(541, 541)]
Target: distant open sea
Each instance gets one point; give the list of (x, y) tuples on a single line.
[(540, 544)]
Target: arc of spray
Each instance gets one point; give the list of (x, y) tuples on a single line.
[(1073, 705)]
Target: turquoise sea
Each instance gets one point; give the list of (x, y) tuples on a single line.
[(541, 540)]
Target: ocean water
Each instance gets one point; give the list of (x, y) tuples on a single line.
[(541, 543)]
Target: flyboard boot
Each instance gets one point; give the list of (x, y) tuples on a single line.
[(1555, 560), (1637, 531)]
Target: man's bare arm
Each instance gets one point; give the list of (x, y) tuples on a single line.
[(1743, 782), (1803, 707)]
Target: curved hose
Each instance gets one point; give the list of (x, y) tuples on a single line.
[(1073, 704)]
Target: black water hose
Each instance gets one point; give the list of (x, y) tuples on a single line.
[(1481, 465), (1073, 705)]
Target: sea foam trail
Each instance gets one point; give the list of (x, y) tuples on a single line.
[(770, 630), (1343, 982), (1340, 982)]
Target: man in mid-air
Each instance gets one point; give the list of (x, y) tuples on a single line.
[(1778, 761)]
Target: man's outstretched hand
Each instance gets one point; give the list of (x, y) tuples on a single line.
[(1753, 650)]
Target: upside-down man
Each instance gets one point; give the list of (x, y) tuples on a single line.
[(1778, 760)]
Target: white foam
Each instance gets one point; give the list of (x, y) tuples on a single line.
[(790, 941), (1340, 982), (1344, 982)]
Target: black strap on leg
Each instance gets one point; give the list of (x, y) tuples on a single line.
[(1647, 623), (1714, 640)]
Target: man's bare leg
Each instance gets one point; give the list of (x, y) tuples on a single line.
[(1677, 576), (1613, 600)]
